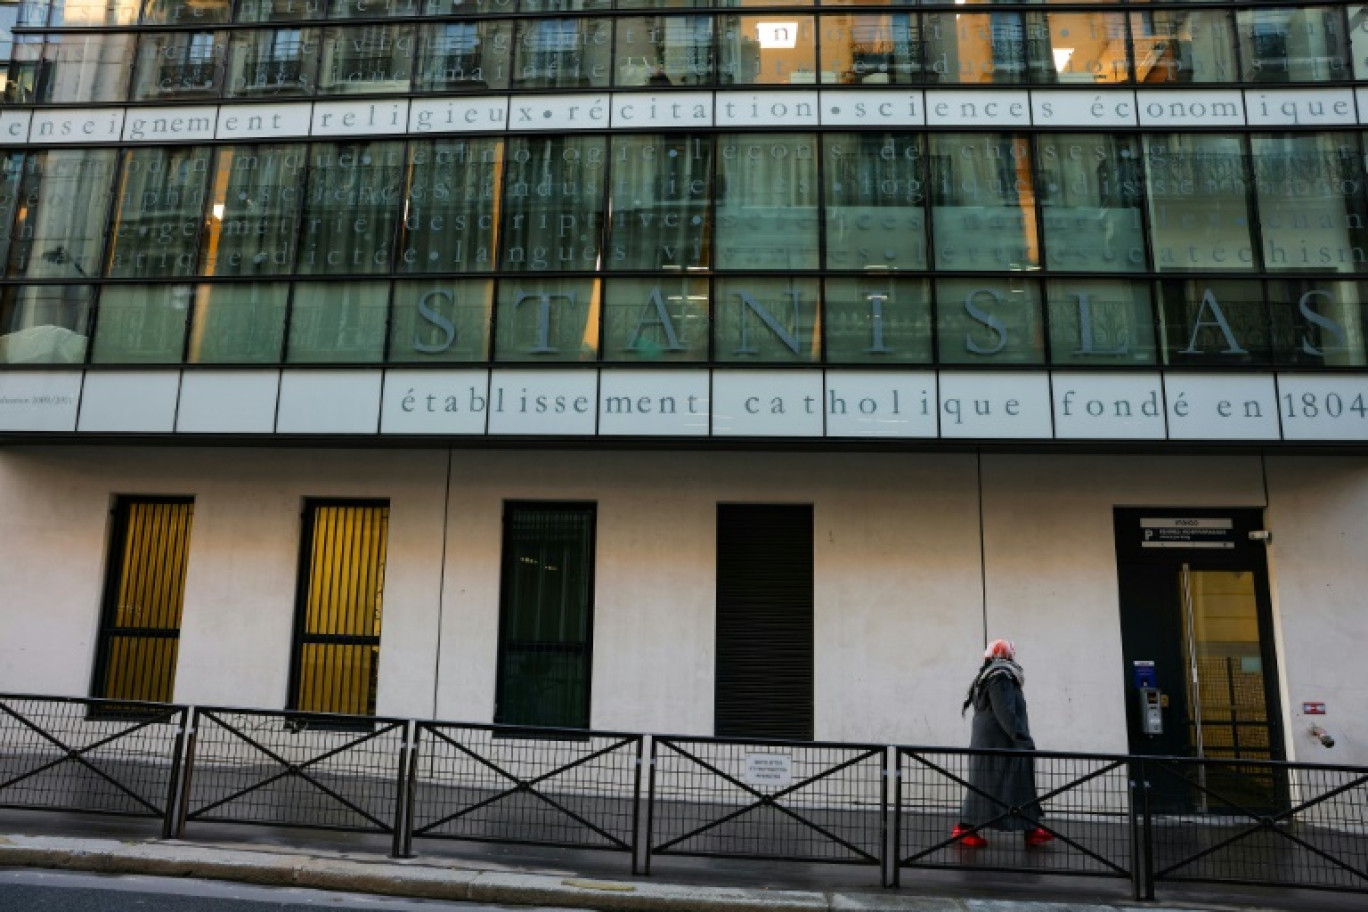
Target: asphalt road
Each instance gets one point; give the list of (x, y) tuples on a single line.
[(59, 891)]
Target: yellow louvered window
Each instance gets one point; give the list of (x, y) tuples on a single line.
[(140, 626), (337, 625)]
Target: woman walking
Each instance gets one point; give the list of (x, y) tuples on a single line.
[(999, 783)]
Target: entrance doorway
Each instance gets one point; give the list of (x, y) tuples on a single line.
[(1196, 627)]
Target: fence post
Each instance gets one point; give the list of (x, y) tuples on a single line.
[(173, 785), (636, 804), (411, 793), (897, 817), (650, 806), (1147, 831), (890, 756), (1133, 774), (190, 738), (401, 791)]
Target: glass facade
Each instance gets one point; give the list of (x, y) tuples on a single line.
[(786, 240)]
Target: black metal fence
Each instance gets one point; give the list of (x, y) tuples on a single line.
[(802, 801), (113, 757), (493, 783), (1152, 820)]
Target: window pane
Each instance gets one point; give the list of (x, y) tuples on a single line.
[(1001, 48), (1183, 46), (11, 179), (1085, 47), (44, 324), (267, 63), (661, 218), (159, 212), (1091, 194), (441, 321), (553, 209), (875, 200), (352, 208), (186, 12), (1319, 323), (452, 220), (338, 322), (766, 50), (1098, 322), (878, 319), (767, 201), (767, 320), (180, 65), (989, 321), (75, 69), (648, 320), (76, 13), (664, 51), (279, 10), (1199, 202), (238, 324), (548, 320), (253, 210), (547, 616), (1214, 321), (872, 49), (463, 56), (1312, 209), (366, 60), (983, 202), (59, 233), (562, 53), (1283, 44), (141, 324)]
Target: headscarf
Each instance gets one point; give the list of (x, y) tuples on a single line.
[(998, 658)]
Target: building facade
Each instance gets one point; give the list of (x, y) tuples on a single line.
[(685, 367)]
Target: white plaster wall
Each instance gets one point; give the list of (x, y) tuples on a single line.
[(1050, 573), (1318, 513)]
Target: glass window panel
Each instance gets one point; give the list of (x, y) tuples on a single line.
[(374, 9), (1085, 47), (661, 219), (441, 321), (451, 220), (23, 67), (159, 212), (1092, 195), (664, 51), (1358, 39), (745, 3), (273, 62), (1100, 322), (770, 320), (338, 322), (983, 202), (553, 203), (878, 319), (186, 12), (74, 69), (665, 4), (767, 50), (1312, 208), (563, 6), (989, 321), (90, 13), (1214, 322), (11, 182), (253, 213), (468, 7), (875, 193), (365, 60), (141, 324), (1199, 202), (893, 3), (1004, 48), (463, 56), (872, 49), (767, 214), (59, 233), (547, 320), (353, 207), (180, 65), (562, 53), (44, 324), (1284, 44), (1319, 322), (661, 319), (279, 10), (1183, 46), (238, 324)]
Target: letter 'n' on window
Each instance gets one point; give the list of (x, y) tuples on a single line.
[(135, 656), (337, 618)]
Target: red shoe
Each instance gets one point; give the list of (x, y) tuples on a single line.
[(1039, 836), (967, 839)]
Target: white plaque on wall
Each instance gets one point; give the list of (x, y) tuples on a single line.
[(329, 402), (39, 400), (228, 402), (79, 126), (14, 126), (1316, 107), (131, 402), (164, 124), (559, 112), (1323, 406), (767, 403), (653, 403), (1098, 406), (766, 109), (1221, 406), (1187, 108), (880, 404), (435, 402), (543, 402), (1083, 109), (458, 115), (674, 109), (865, 109), (359, 118), (263, 121), (976, 108), (994, 405)]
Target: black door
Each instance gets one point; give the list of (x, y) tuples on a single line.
[(1196, 623)]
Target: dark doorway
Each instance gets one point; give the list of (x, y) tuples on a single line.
[(764, 621)]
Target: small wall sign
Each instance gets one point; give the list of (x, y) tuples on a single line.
[(1313, 709), (769, 770)]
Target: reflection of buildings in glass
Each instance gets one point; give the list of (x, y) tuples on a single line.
[(275, 62)]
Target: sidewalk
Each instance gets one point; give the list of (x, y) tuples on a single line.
[(541, 877)]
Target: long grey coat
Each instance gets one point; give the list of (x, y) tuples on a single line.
[(999, 783)]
